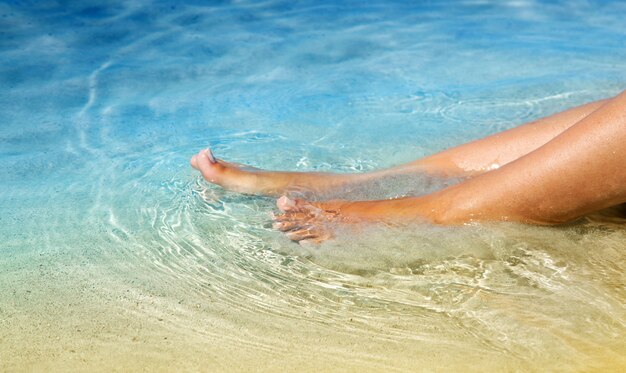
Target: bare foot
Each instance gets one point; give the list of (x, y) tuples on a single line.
[(228, 175), (304, 221), (245, 179)]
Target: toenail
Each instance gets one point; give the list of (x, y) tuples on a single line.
[(209, 154)]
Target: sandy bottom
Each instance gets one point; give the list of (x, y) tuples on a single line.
[(494, 298)]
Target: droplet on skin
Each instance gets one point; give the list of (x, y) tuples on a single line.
[(493, 166)]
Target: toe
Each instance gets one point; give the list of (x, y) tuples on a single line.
[(285, 226), (194, 162), (210, 170), (292, 216), (285, 204), (210, 155), (301, 234), (315, 240)]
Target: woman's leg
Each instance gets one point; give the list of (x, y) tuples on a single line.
[(465, 160), (577, 172), (494, 151)]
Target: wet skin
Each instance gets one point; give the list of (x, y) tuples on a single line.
[(524, 174)]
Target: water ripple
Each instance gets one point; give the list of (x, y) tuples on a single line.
[(101, 123)]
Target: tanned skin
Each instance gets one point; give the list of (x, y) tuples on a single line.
[(549, 171)]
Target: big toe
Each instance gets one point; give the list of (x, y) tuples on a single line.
[(285, 204), (194, 162), (210, 170)]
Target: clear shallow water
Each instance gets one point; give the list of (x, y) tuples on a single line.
[(114, 254)]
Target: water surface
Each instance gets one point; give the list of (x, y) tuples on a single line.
[(115, 255)]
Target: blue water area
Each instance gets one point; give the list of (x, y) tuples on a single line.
[(110, 242)]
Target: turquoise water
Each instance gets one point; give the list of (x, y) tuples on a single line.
[(114, 254)]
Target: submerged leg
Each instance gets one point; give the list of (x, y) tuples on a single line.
[(578, 172), (249, 180), (465, 160)]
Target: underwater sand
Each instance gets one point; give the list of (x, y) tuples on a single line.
[(116, 256)]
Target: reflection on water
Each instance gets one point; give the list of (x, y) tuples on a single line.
[(115, 255)]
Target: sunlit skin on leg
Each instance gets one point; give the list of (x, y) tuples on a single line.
[(525, 174), (462, 161)]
